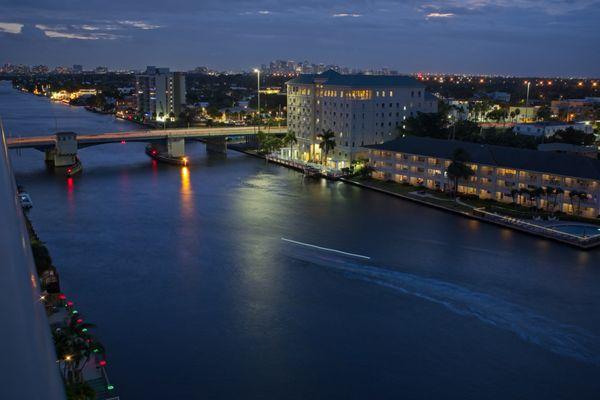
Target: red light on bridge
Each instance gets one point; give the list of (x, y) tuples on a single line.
[(62, 297), (102, 363), (70, 303)]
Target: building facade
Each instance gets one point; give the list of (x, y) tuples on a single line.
[(499, 172), (359, 109), (549, 128), (160, 94)]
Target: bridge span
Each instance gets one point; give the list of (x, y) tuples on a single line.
[(61, 148)]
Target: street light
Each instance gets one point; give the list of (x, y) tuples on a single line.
[(257, 72), (527, 101)]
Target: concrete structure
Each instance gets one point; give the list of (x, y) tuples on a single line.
[(359, 109), (587, 151), (570, 109), (549, 128), (524, 114), (499, 172), (61, 149), (160, 93), (28, 366), (459, 110)]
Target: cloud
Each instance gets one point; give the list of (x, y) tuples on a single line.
[(436, 15), (65, 32), (264, 12), (11, 27), (139, 25), (346, 15)]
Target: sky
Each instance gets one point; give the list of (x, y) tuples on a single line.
[(507, 37)]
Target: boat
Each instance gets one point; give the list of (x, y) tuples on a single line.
[(25, 200), (74, 169), (162, 157), (311, 171)]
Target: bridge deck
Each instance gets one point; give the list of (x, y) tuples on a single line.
[(140, 136)]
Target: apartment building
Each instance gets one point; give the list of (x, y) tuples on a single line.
[(359, 109), (498, 172), (160, 93)]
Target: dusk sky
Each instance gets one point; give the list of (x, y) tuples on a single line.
[(539, 37)]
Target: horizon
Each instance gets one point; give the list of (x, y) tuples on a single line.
[(507, 38)]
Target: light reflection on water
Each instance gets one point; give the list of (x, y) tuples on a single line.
[(194, 295)]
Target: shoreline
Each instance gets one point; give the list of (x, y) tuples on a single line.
[(582, 243)]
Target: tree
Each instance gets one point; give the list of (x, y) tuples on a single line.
[(426, 124), (517, 113), (581, 196), (573, 136), (458, 169), (537, 194), (268, 142), (514, 193), (326, 143), (556, 192), (289, 140), (74, 347), (544, 113), (573, 194)]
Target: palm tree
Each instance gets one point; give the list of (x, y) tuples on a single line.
[(289, 140), (514, 193), (74, 347), (517, 113), (581, 196), (556, 191), (326, 144), (572, 195), (538, 192), (458, 169)]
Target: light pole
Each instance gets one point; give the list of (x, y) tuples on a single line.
[(257, 71), (527, 101)]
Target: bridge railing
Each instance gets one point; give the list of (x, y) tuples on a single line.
[(28, 364)]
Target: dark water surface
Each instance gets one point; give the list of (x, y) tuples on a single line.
[(196, 295)]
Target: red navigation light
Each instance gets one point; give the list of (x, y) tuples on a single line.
[(102, 363), (79, 320), (69, 170), (70, 303), (153, 152), (62, 297)]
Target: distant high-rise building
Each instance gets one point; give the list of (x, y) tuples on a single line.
[(40, 69), (101, 70), (160, 93)]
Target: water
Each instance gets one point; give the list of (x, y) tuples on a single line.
[(196, 295)]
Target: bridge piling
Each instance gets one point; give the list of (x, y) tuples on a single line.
[(64, 152)]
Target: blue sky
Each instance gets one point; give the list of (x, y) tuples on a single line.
[(538, 37)]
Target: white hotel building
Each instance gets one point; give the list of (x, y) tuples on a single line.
[(359, 109)]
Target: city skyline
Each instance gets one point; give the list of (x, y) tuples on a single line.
[(510, 37)]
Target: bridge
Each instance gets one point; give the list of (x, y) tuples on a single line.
[(61, 148)]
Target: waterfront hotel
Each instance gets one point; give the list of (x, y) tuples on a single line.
[(499, 172), (359, 109)]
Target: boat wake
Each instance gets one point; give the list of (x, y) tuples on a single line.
[(566, 340)]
